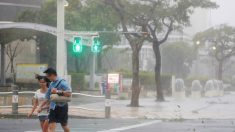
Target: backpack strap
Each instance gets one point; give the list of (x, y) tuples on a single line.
[(59, 83)]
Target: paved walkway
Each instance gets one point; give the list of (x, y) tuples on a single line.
[(210, 108)]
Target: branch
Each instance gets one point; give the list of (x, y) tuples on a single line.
[(119, 8), (169, 30), (153, 32), (15, 49)]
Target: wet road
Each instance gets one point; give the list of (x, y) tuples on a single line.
[(125, 125)]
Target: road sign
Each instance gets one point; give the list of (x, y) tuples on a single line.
[(107, 102), (15, 99), (113, 78)]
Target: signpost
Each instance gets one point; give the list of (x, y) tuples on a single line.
[(113, 78), (15, 99)]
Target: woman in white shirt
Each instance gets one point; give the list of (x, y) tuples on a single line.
[(39, 98)]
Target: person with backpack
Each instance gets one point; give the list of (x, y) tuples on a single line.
[(58, 110)]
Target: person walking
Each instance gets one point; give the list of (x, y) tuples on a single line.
[(58, 111), (38, 99)]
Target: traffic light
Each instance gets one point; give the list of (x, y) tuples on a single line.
[(96, 45), (77, 44)]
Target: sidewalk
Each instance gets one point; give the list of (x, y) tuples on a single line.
[(210, 108)]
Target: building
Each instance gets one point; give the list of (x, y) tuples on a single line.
[(9, 10)]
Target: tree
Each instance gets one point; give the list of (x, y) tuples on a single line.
[(92, 15), (220, 43), (89, 15), (164, 17), (131, 17), (177, 57), (46, 15)]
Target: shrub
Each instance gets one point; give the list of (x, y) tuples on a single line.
[(78, 81)]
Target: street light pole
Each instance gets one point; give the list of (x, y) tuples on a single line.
[(61, 58)]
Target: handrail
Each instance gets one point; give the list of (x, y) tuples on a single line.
[(31, 92), (74, 107)]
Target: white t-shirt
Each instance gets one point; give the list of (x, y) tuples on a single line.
[(41, 97)]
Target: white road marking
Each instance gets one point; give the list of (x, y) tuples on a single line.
[(132, 126)]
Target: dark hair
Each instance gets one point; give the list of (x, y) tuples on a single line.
[(38, 77), (51, 71)]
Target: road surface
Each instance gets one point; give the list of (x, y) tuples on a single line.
[(124, 125)]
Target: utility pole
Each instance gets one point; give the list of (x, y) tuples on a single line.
[(61, 57), (3, 77)]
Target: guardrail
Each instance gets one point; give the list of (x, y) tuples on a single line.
[(15, 95)]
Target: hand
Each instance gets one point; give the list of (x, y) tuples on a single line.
[(39, 110), (30, 114), (54, 91)]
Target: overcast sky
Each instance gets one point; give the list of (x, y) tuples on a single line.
[(225, 13)]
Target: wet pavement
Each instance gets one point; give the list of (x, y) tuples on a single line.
[(125, 125)]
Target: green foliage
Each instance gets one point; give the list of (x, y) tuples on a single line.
[(190, 79), (78, 81), (88, 16), (166, 83), (177, 58), (147, 79), (219, 41)]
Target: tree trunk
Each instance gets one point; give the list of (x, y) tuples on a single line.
[(156, 49), (220, 72), (135, 79)]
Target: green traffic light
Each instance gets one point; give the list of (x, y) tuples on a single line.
[(96, 46), (77, 44)]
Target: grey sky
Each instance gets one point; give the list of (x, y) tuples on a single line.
[(224, 14)]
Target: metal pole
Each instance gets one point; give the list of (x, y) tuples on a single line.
[(92, 72), (61, 47), (3, 78), (108, 103), (15, 99), (173, 86)]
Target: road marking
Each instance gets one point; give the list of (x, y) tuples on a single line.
[(33, 131), (132, 126)]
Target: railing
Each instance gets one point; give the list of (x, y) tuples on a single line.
[(72, 103)]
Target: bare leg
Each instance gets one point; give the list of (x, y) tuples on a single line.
[(45, 126), (52, 127), (65, 128), (41, 124)]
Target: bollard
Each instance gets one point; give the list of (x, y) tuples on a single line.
[(15, 99), (107, 104)]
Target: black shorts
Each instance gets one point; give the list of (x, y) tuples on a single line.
[(59, 115)]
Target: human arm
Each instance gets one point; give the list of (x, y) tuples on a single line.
[(35, 104)]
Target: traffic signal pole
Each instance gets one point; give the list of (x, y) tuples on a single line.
[(92, 72), (61, 57)]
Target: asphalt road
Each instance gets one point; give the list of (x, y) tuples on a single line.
[(124, 125)]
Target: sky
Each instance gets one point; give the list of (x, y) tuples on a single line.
[(203, 19), (224, 14)]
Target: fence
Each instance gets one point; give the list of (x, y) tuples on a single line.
[(23, 99)]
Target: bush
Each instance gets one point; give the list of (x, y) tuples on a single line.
[(147, 79), (190, 79), (78, 81), (166, 83)]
